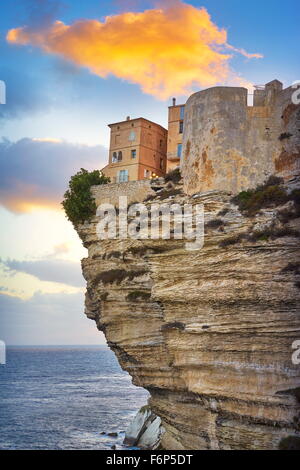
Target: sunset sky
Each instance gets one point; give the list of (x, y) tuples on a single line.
[(72, 67)]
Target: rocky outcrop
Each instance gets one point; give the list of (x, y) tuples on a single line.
[(208, 333), (145, 430)]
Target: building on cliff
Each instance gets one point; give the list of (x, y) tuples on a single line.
[(228, 145), (137, 150), (211, 333), (216, 138), (175, 135)]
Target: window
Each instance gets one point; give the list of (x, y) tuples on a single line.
[(181, 113), (181, 127), (133, 153), (131, 137), (117, 138), (146, 173), (114, 157), (161, 163), (179, 150), (160, 143), (120, 156), (123, 176)]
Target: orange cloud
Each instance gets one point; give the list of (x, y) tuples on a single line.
[(168, 50)]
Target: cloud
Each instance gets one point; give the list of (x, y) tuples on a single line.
[(35, 172), (50, 270), (47, 319), (167, 50), (244, 53), (41, 13), (24, 94)]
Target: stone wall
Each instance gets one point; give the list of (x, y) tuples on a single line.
[(110, 193), (228, 145)]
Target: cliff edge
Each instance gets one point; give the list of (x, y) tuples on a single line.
[(208, 333)]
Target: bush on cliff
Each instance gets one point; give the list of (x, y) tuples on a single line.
[(78, 202), (270, 194)]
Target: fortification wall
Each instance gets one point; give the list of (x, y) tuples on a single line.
[(110, 193), (230, 146)]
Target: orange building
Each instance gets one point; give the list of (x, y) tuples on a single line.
[(175, 134), (138, 150)]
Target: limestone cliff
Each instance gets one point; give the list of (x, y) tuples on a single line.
[(208, 333)]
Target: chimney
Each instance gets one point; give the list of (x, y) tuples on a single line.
[(174, 101), (128, 118)]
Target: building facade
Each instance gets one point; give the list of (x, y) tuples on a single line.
[(175, 135), (138, 149)]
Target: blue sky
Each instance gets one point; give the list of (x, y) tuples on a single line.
[(55, 121)]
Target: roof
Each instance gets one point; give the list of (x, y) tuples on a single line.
[(137, 119)]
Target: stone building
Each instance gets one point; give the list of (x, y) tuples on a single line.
[(175, 135), (216, 138), (137, 150), (228, 145)]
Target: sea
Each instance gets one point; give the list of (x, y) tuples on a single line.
[(65, 397)]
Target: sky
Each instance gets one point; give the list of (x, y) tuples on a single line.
[(71, 68)]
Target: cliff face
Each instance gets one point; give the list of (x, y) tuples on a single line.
[(208, 333)]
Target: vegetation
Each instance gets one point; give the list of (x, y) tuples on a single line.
[(78, 203), (269, 194), (261, 235), (273, 233), (174, 176)]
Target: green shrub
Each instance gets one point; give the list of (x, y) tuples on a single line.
[(78, 203), (267, 195)]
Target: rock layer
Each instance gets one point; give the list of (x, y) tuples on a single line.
[(208, 333)]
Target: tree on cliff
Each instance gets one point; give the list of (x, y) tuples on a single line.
[(78, 202)]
